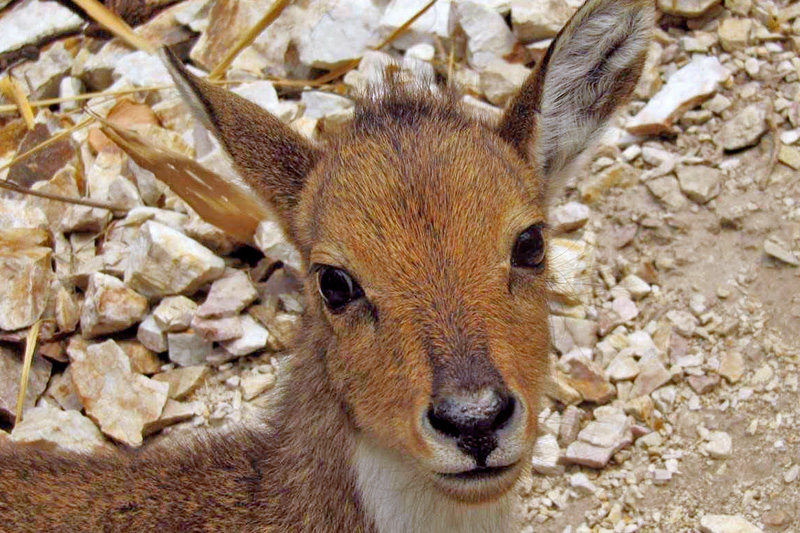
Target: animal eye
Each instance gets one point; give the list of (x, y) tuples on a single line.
[(529, 250), (337, 288)]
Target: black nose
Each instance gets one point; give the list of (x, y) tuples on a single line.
[(473, 420)]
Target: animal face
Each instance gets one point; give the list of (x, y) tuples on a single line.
[(423, 233), (432, 289)]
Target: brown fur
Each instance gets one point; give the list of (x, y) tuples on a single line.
[(421, 204)]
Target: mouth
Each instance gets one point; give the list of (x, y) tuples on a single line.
[(478, 474)]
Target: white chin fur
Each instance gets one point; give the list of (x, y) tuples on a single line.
[(401, 499)]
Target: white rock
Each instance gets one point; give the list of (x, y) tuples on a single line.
[(254, 337), (720, 523), (188, 348), (120, 401), (792, 475), (24, 292), (701, 183), (68, 88), (173, 413), (744, 129), (542, 19), (228, 296), (69, 430), (686, 8), (652, 375), (719, 445), (320, 104), (262, 93), (339, 32), (434, 22), (686, 88), (685, 323), (622, 368), (218, 329), (174, 313), (32, 20), (10, 372), (141, 69), (255, 384), (583, 453), (109, 306), (45, 75), (778, 250), (107, 184), (546, 455), (625, 308), (272, 242), (500, 80), (166, 262), (488, 36), (151, 336), (582, 483), (183, 381), (636, 286)]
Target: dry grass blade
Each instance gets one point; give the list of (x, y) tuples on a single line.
[(217, 200), (30, 349), (248, 38), (350, 65), (11, 88), (113, 23), (67, 200)]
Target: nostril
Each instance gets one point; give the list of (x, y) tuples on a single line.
[(441, 422), (506, 411)]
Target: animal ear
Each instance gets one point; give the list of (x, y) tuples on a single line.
[(273, 159), (589, 70)]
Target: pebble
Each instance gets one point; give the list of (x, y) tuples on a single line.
[(69, 430), (776, 249), (433, 22), (700, 183), (218, 329), (789, 156), (27, 274), (183, 381), (732, 366), (254, 337), (151, 335), (109, 306), (792, 475), (174, 313), (744, 129), (534, 21), (546, 456), (652, 375), (500, 80), (636, 286), (120, 401), (686, 88), (30, 21), (228, 296), (734, 33), (255, 384), (581, 482), (488, 36), (10, 372), (588, 378), (719, 445), (685, 323), (187, 348), (165, 262), (569, 217), (719, 523), (686, 8)]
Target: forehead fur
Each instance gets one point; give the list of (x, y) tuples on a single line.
[(419, 164)]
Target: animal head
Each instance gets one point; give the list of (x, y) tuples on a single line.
[(423, 232)]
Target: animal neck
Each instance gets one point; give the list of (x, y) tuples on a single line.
[(398, 500)]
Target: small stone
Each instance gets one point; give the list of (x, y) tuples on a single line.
[(744, 129), (581, 482), (26, 275), (109, 306), (569, 217), (10, 374), (501, 80), (488, 35), (166, 262), (789, 156), (152, 336), (762, 376), (718, 104), (685, 323), (636, 286), (262, 93), (569, 263), (255, 384), (269, 238), (668, 191), (188, 348), (570, 425), (624, 308), (685, 89), (534, 21), (62, 390), (173, 413), (777, 250), (699, 182), (254, 337), (106, 182), (686, 8), (652, 375), (731, 366), (734, 34), (583, 453), (31, 21), (143, 360), (175, 313), (792, 475), (617, 175), (120, 401), (623, 368), (588, 378), (720, 523), (739, 7), (44, 76), (719, 445), (434, 22), (610, 430), (703, 384), (218, 329), (546, 456), (183, 381), (320, 104), (775, 518), (228, 296), (69, 430)]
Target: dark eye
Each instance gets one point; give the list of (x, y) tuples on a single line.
[(529, 248), (337, 288)]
